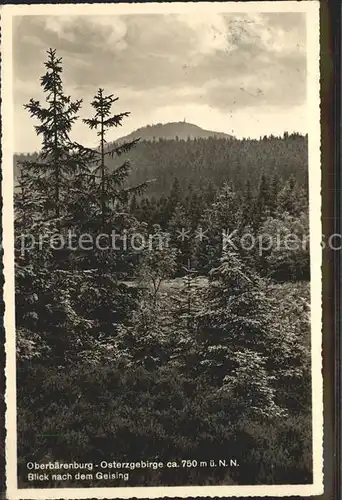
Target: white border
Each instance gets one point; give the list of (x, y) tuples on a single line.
[(311, 8)]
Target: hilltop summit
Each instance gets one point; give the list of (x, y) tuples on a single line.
[(182, 130)]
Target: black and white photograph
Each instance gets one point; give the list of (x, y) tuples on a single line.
[(162, 249)]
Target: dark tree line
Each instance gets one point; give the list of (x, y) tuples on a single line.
[(169, 351), (199, 161), (217, 160)]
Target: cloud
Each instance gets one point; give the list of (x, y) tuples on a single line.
[(262, 87), (150, 51), (225, 62)]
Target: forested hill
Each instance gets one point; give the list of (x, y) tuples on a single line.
[(197, 161), (218, 160), (173, 130)]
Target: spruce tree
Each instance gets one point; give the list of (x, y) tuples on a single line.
[(175, 196), (218, 223), (157, 262), (261, 204), (27, 202), (185, 300), (59, 160), (274, 190), (247, 205), (147, 340), (111, 191), (195, 204), (235, 329), (111, 209), (181, 236), (292, 198), (209, 192), (289, 258)]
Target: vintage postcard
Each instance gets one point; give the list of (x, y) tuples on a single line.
[(162, 240)]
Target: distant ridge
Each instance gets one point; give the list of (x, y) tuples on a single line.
[(182, 130)]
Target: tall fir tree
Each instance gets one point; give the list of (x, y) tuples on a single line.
[(111, 190), (218, 223), (60, 159), (111, 194), (235, 328)]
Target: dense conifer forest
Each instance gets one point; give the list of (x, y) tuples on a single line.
[(177, 341)]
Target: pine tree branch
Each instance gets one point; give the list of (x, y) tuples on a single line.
[(92, 122), (115, 121), (123, 148)]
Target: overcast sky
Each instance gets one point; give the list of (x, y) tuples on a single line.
[(236, 73)]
